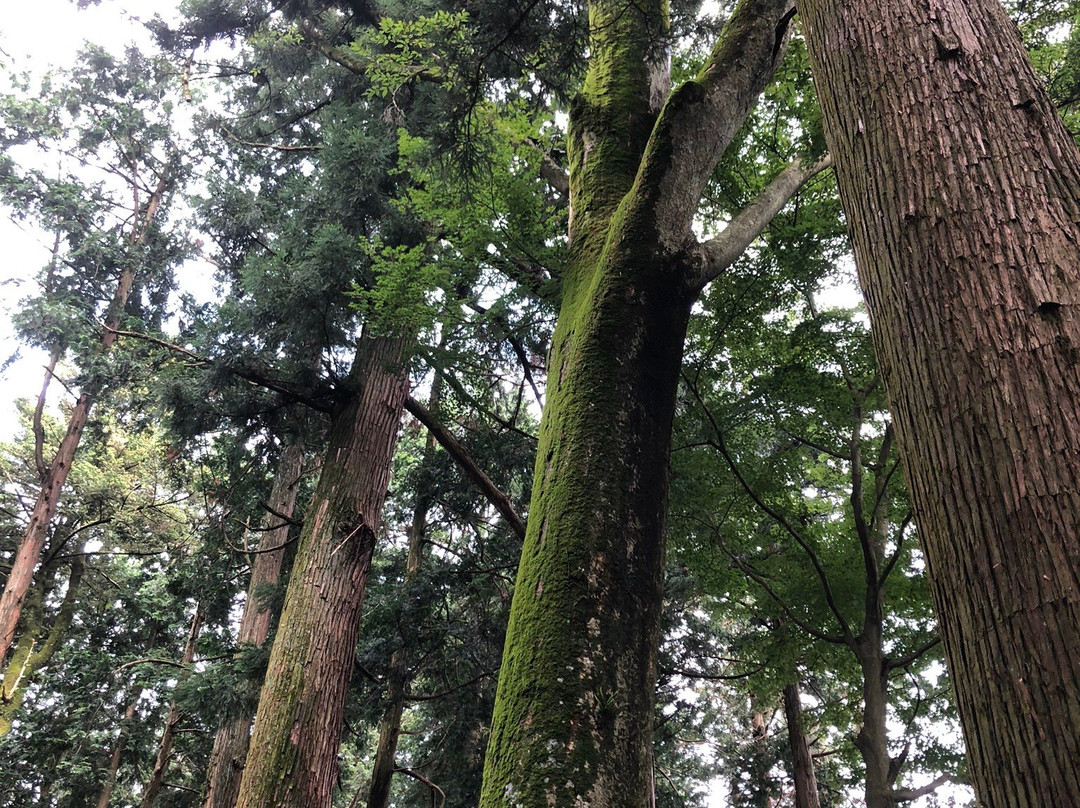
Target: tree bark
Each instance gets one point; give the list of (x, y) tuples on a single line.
[(962, 190), (26, 557), (806, 793), (292, 760), (573, 713), (231, 742)]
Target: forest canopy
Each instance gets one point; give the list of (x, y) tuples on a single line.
[(545, 403)]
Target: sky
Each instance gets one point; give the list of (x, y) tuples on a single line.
[(27, 44)]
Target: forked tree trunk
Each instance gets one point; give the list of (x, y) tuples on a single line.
[(292, 759), (804, 775), (231, 742), (962, 190), (573, 713), (33, 652), (37, 530)]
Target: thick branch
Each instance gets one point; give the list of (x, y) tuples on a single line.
[(719, 253), (700, 119), (461, 456), (908, 794)]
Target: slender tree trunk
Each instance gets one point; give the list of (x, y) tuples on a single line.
[(231, 742), (806, 793), (382, 771), (118, 752), (28, 658), (122, 738), (172, 721), (26, 558), (962, 190), (397, 682), (292, 760)]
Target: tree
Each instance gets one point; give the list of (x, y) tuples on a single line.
[(111, 114), (572, 720), (962, 190)]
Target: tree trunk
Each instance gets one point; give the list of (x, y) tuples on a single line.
[(27, 658), (292, 760), (172, 721), (873, 738), (26, 558), (118, 752), (231, 742), (382, 770), (962, 190), (122, 737), (806, 793), (574, 707)]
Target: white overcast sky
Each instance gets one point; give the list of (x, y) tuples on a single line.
[(36, 37)]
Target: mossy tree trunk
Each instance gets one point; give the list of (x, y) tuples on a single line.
[(962, 190), (573, 714), (32, 652), (292, 758), (231, 742)]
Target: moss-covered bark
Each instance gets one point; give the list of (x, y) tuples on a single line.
[(33, 652), (573, 713), (292, 759), (962, 190)]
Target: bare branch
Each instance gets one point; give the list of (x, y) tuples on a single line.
[(909, 794), (461, 456), (719, 253), (904, 661)]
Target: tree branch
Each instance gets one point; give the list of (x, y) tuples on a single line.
[(909, 794), (461, 456), (778, 517), (718, 254), (904, 661)]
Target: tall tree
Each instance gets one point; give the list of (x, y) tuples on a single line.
[(573, 715), (962, 190), (110, 113)]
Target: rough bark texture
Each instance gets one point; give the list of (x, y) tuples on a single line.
[(37, 530), (961, 188), (806, 793), (292, 760), (573, 714), (172, 722), (231, 741)]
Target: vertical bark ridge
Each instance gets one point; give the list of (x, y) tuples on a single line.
[(962, 190)]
